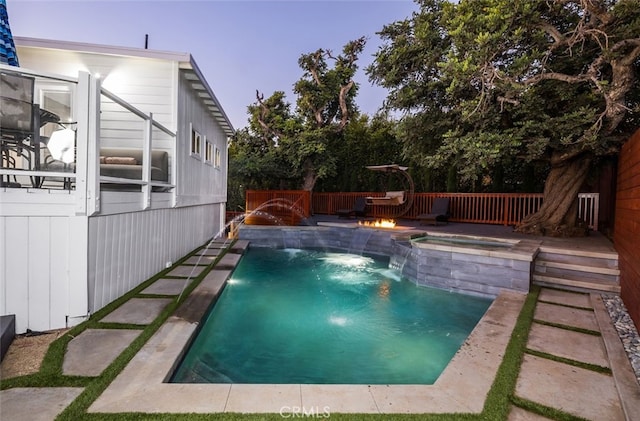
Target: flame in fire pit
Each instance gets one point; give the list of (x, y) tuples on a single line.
[(379, 223)]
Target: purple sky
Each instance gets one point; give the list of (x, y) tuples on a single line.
[(240, 46)]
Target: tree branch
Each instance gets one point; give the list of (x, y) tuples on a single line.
[(313, 67), (630, 57), (344, 110), (264, 112)]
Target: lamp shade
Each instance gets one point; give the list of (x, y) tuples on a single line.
[(62, 144)]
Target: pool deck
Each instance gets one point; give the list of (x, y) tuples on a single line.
[(568, 327)]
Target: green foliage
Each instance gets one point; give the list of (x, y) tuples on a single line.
[(511, 84), (363, 142), (282, 149)]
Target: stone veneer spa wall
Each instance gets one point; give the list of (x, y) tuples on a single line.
[(467, 264)]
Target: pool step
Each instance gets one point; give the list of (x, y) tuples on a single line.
[(577, 270)]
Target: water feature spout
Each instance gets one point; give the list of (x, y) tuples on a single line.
[(359, 240), (399, 257)]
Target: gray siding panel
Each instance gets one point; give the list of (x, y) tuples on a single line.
[(127, 249)]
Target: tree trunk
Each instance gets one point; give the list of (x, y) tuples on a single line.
[(310, 176), (558, 215)]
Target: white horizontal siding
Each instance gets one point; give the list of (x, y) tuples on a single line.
[(126, 249), (148, 84)]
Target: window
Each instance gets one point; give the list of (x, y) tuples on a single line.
[(195, 143), (208, 152), (217, 158), (58, 100)]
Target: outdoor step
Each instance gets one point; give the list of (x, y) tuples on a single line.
[(577, 253), (583, 272), (579, 258), (584, 275), (575, 284)]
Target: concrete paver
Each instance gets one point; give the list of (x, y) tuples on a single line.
[(565, 297), (571, 389), (138, 311), (212, 252), (581, 392), (229, 260), (36, 403), (217, 245), (94, 349), (277, 398), (166, 286), (623, 374), (584, 319), (338, 398), (199, 259), (564, 343), (187, 271), (519, 414)]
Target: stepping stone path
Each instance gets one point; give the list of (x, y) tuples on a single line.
[(567, 387), (36, 403), (93, 350), (102, 345), (137, 311)]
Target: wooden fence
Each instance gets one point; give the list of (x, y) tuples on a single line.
[(275, 207), (291, 206), (627, 225), (483, 208)]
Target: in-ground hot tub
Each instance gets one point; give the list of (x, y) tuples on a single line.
[(474, 264)]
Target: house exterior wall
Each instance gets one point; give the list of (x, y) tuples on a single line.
[(199, 181), (42, 273), (60, 261), (627, 225), (153, 86), (147, 83), (128, 248)]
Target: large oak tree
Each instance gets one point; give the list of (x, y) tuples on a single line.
[(484, 82), (325, 104)]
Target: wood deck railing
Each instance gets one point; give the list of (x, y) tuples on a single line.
[(483, 208)]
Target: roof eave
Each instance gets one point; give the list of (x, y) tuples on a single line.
[(200, 85)]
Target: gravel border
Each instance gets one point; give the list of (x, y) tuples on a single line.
[(626, 329)]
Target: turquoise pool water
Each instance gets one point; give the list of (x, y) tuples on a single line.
[(311, 317)]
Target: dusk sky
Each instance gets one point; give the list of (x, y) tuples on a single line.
[(240, 46)]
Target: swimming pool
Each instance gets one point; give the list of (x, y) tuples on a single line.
[(293, 316)]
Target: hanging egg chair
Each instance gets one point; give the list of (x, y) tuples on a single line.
[(394, 203)]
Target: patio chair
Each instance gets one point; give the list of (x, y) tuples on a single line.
[(439, 212), (16, 98), (390, 198), (20, 122), (16, 121), (359, 209)]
